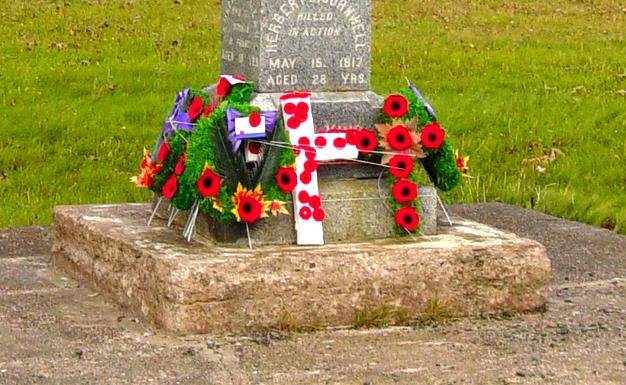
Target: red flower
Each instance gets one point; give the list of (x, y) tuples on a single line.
[(310, 166), (164, 152), (433, 136), (209, 183), (170, 187), (366, 141), (305, 213), (401, 165), (286, 179), (320, 142), (315, 201), (300, 114), (254, 119), (407, 218), (396, 106), (223, 88), (208, 110), (339, 143), (180, 166), (404, 191), (303, 196), (195, 109), (319, 214), (249, 209), (399, 138), (306, 177), (352, 136), (254, 148)]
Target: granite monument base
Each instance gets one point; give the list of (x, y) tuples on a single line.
[(356, 211), (187, 288)]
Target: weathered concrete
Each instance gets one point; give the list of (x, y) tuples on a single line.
[(469, 269)]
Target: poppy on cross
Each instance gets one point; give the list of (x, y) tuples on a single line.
[(310, 149)]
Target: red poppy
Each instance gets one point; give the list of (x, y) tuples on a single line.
[(404, 191), (304, 141), (208, 110), (164, 152), (209, 183), (305, 213), (399, 138), (180, 166), (300, 114), (315, 201), (352, 136), (303, 197), (170, 187), (319, 214), (433, 136), (310, 166), (320, 142), (223, 88), (396, 106), (250, 209), (195, 108), (366, 141), (293, 122), (407, 218), (254, 119), (290, 108), (306, 177), (303, 108), (339, 143), (286, 179), (401, 165), (254, 148)]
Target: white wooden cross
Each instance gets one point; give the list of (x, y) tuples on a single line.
[(310, 149)]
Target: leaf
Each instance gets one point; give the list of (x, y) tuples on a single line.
[(229, 164), (271, 162)]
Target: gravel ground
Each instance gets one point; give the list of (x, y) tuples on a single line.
[(53, 331)]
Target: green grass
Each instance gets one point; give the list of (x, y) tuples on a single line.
[(86, 84)]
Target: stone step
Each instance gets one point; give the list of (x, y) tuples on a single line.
[(199, 287)]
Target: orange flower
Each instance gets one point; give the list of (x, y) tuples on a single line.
[(148, 171)]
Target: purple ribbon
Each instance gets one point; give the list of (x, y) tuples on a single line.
[(177, 119), (429, 108), (231, 115)]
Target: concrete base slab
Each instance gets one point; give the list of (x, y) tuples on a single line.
[(468, 269)]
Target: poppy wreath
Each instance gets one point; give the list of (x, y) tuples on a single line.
[(195, 162), (409, 136)]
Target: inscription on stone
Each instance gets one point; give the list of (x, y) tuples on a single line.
[(286, 45)]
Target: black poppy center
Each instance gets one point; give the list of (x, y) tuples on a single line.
[(402, 165), (395, 105), (432, 137), (247, 207), (401, 138), (408, 219), (207, 182), (365, 142), (406, 191), (285, 179)]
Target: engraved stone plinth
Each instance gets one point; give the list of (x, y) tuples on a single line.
[(313, 45)]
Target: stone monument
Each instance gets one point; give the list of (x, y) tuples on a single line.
[(214, 285), (322, 47)]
